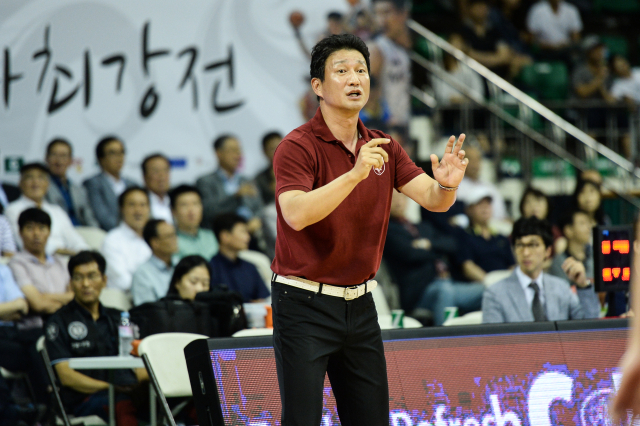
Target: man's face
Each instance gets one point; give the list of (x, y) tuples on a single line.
[(113, 159), (346, 81), (34, 237), (34, 184), (59, 159), (237, 239), (580, 230), (481, 212), (230, 155), (135, 210), (270, 147), (621, 67), (335, 26), (87, 283), (157, 176), (535, 206), (188, 210), (478, 12), (391, 20), (530, 254), (166, 242)]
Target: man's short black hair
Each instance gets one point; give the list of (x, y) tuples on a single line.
[(226, 222), (179, 190), (125, 194), (532, 226), (397, 4), (34, 215), (84, 257), (325, 47), (153, 156), (150, 230), (56, 141), (334, 16), (570, 218), (218, 143), (102, 144), (33, 166), (271, 135)]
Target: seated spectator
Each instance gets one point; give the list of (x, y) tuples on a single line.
[(150, 282), (123, 247), (555, 26), (156, 170), (266, 180), (18, 340), (41, 277), (225, 190), (508, 17), (190, 277), (186, 205), (417, 259), (587, 197), (72, 198), (472, 184), (480, 248), (34, 182), (626, 83), (534, 203), (7, 242), (11, 413), (85, 328), (529, 294), (227, 269), (105, 188), (576, 263), (485, 44), (591, 80)]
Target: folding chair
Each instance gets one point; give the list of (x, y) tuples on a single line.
[(163, 356), (63, 418)]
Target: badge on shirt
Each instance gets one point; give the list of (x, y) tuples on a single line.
[(52, 332), (77, 330), (380, 170)]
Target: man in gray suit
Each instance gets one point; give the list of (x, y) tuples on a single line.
[(226, 191), (68, 195), (529, 294), (104, 188)]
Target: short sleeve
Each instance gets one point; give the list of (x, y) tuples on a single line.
[(57, 340), (20, 273), (406, 169), (576, 24), (7, 243), (9, 289), (294, 168), (532, 24)]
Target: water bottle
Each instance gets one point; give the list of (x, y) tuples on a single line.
[(125, 334)]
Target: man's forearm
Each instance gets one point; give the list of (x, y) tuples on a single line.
[(427, 192), (472, 271), (78, 381), (306, 208)]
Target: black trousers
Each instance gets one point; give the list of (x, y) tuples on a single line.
[(18, 353), (315, 334)]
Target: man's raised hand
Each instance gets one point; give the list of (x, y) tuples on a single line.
[(370, 155), (450, 170)]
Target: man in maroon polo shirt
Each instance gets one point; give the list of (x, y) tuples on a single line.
[(334, 180)]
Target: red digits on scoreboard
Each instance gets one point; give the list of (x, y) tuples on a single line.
[(606, 247), (606, 274), (621, 246)]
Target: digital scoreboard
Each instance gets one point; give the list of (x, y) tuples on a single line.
[(612, 254)]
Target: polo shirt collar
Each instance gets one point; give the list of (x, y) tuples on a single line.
[(322, 132), (48, 261), (84, 312), (159, 263)]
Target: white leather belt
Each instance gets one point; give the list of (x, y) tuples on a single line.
[(347, 293)]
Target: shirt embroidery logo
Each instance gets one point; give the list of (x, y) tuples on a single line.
[(379, 171), (52, 332), (77, 330)]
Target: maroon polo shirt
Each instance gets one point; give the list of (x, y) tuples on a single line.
[(345, 248)]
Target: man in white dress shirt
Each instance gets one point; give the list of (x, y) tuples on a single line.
[(156, 171), (34, 183), (123, 247), (555, 26)]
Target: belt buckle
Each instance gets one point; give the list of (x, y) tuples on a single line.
[(350, 293)]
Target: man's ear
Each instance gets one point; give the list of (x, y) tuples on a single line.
[(316, 85), (548, 252)]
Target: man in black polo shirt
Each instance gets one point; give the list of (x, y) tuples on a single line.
[(84, 328)]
